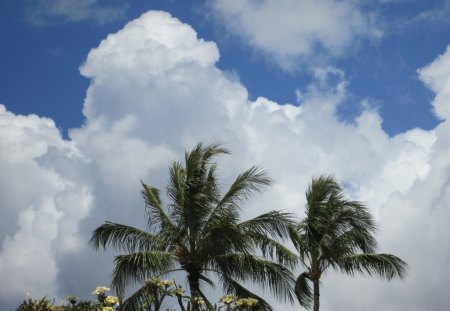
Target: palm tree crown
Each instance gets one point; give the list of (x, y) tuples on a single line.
[(200, 232), (337, 233)]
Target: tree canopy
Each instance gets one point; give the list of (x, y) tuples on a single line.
[(337, 233), (200, 232)]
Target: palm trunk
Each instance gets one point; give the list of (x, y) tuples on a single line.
[(193, 279), (316, 295)]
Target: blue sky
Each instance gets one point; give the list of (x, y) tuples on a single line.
[(97, 95), (41, 54)]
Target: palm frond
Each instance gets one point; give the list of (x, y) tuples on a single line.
[(318, 192), (139, 299), (300, 240), (208, 304), (126, 238), (303, 291), (157, 215), (273, 249), (252, 180), (136, 267), (207, 280), (201, 190), (273, 223), (176, 190), (275, 277), (202, 153), (223, 238), (248, 182), (382, 265)]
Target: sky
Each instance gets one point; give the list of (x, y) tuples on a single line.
[(97, 95)]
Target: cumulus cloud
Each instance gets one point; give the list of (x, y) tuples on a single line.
[(288, 31), (43, 12), (40, 209), (155, 90)]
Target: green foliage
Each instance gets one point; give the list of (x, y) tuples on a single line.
[(104, 303), (36, 305), (152, 294), (156, 291)]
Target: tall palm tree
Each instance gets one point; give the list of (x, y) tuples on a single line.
[(337, 233), (200, 232)]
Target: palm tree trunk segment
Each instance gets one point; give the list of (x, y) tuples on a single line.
[(316, 295), (194, 284)]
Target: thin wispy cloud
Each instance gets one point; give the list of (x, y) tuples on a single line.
[(44, 12)]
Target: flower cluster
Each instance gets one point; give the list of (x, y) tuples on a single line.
[(112, 300), (107, 302), (199, 300), (163, 284), (247, 302), (232, 302), (100, 290), (39, 305), (228, 299)]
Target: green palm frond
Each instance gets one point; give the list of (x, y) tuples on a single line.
[(208, 304), (273, 223), (352, 241), (137, 267), (223, 238), (125, 238), (301, 243), (319, 191), (138, 300), (252, 180), (201, 190), (157, 215), (201, 155), (176, 190), (248, 182), (204, 279), (382, 265), (273, 249), (303, 291), (270, 275)]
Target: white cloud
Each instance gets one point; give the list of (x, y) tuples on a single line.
[(437, 77), (293, 30), (40, 209), (43, 12), (155, 91)]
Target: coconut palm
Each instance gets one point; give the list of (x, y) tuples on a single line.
[(337, 233), (200, 233)]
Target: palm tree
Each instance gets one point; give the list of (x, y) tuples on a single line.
[(200, 232), (337, 233)]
